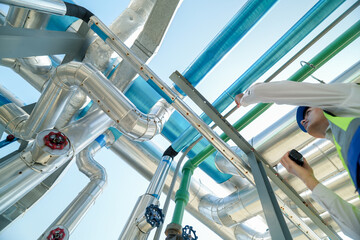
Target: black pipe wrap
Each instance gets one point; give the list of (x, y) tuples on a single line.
[(78, 11), (170, 152)]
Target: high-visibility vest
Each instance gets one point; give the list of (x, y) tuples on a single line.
[(346, 135)]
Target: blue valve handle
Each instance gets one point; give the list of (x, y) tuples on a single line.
[(188, 233), (154, 215)]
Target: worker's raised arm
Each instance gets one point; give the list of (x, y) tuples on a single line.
[(339, 98)]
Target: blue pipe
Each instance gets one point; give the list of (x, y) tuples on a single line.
[(60, 23), (290, 39), (226, 39), (3, 100)]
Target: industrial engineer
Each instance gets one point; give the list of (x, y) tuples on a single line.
[(329, 111)]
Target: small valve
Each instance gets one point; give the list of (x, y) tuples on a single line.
[(154, 215), (10, 138), (55, 140), (57, 234), (188, 233)]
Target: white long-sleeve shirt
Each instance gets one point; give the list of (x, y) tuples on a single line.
[(341, 99), (347, 216)]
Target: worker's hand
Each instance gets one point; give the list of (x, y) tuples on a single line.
[(238, 99), (305, 172)]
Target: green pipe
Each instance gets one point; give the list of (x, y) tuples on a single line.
[(182, 195), (320, 59)]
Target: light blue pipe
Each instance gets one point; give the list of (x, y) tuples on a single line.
[(226, 39), (60, 23), (290, 39)]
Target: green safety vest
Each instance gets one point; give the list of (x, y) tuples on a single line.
[(343, 130)]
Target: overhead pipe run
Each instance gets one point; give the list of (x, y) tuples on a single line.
[(298, 32), (46, 6), (128, 26), (340, 43), (166, 92), (37, 70), (25, 18), (320, 59), (153, 188), (226, 39), (66, 79)]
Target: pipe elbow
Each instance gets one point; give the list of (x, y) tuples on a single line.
[(140, 127), (88, 166), (189, 166), (71, 75)]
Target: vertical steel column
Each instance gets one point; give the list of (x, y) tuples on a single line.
[(274, 218)]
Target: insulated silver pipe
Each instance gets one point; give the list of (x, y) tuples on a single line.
[(184, 110), (66, 80), (77, 209), (35, 70), (47, 6), (84, 131), (30, 73), (129, 119), (11, 116), (243, 232), (157, 182), (18, 178), (25, 18), (46, 111), (134, 229), (7, 94), (147, 43), (21, 173), (127, 26), (138, 229), (233, 209)]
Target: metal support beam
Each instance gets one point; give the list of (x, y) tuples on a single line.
[(228, 129), (273, 215), (20, 42)]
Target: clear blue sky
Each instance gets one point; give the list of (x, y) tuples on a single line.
[(194, 25)]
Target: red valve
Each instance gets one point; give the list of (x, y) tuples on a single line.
[(55, 140), (10, 137), (57, 234)]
